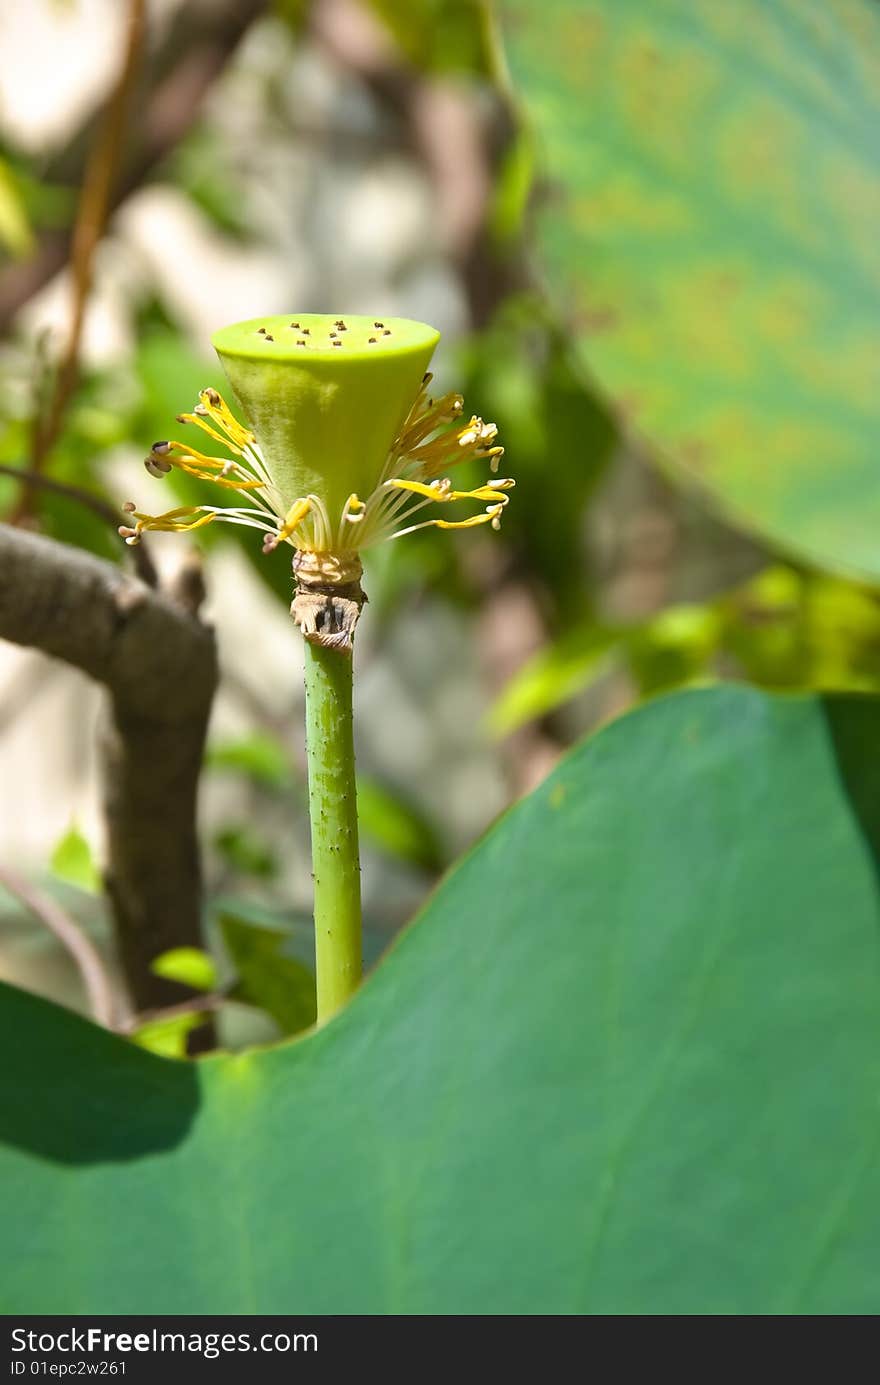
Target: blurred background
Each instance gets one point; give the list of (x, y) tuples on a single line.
[(171, 167)]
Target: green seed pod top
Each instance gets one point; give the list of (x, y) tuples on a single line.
[(326, 396)]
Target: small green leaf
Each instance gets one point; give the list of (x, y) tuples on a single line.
[(72, 861), (393, 823), (168, 1037), (269, 976), (188, 965)]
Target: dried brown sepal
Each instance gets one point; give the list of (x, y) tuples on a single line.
[(328, 599)]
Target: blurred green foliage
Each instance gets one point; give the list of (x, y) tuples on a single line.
[(784, 629), (15, 230), (441, 35), (559, 441), (269, 974)]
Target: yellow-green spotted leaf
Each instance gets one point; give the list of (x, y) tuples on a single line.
[(711, 222)]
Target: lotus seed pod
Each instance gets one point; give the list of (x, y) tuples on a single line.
[(326, 396)]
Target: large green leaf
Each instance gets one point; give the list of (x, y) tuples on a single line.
[(626, 1062), (712, 226)]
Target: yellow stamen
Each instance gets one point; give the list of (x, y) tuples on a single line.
[(353, 510), (202, 466), (212, 432), (435, 491), (488, 492), (294, 517), (420, 423), (172, 522), (491, 516), (441, 490), (215, 406)]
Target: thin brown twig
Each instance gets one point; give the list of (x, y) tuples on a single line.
[(101, 508), (197, 46), (196, 1004), (98, 986), (91, 218)]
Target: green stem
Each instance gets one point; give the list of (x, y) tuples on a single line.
[(333, 812)]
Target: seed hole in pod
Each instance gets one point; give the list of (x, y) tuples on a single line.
[(378, 324), (300, 342), (261, 331), (269, 338), (387, 332), (307, 331), (372, 339), (337, 343), (341, 325), (295, 324), (333, 334)]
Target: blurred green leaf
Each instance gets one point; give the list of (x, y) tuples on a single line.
[(15, 228), (269, 976), (512, 190), (72, 861), (441, 35), (188, 965), (260, 756), (167, 1037), (246, 851), (674, 648), (201, 168), (710, 227), (389, 820), (559, 438), (553, 676)]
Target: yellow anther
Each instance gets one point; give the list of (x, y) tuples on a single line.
[(217, 409), (294, 518), (212, 432), (177, 521), (492, 491), (434, 491), (205, 468)]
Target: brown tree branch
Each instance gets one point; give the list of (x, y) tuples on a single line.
[(158, 663)]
